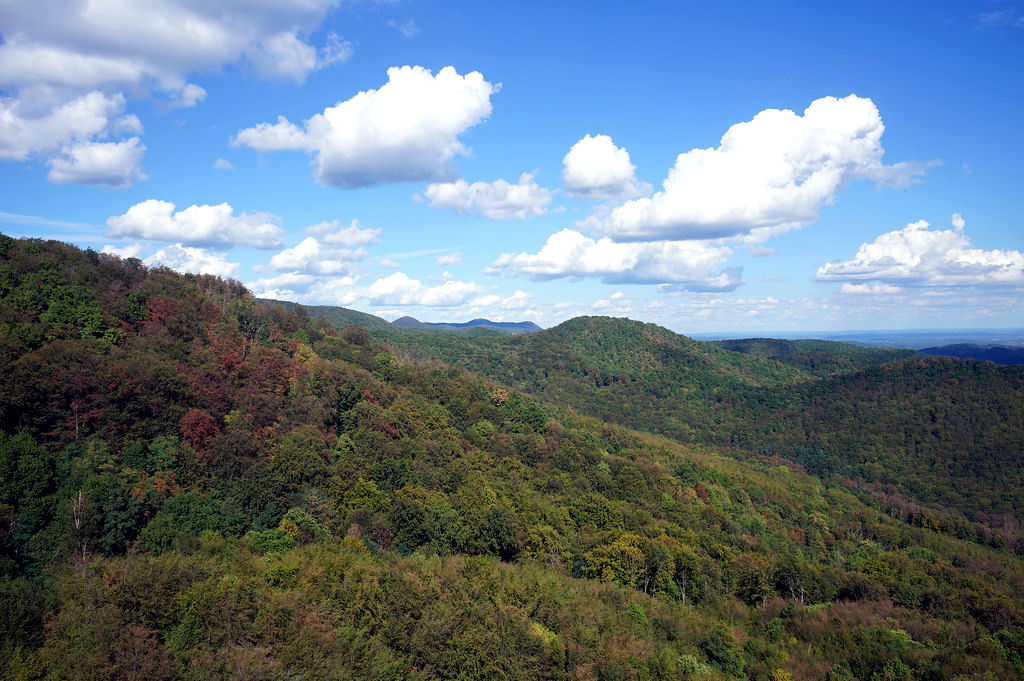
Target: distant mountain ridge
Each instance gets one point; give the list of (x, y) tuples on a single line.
[(504, 327), (1000, 354)]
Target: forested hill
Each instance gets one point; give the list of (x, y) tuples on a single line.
[(818, 357), (941, 431), (339, 316), (602, 352), (946, 433), (197, 486), (1000, 354)]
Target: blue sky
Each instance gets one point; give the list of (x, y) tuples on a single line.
[(718, 167)]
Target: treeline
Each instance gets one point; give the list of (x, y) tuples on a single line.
[(197, 486)]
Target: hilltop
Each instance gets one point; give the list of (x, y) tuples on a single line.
[(339, 316)]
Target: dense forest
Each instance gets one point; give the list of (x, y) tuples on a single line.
[(821, 358), (941, 433), (197, 485)]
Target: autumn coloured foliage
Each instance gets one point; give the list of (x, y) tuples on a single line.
[(196, 485)]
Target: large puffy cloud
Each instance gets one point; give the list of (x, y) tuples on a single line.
[(918, 256), (349, 236), (322, 268), (772, 173), (307, 288), (195, 260), (407, 130), (64, 132), (691, 265), (155, 45), (196, 225), (595, 168), (281, 285), (24, 131), (67, 67), (126, 251), (109, 164), (400, 289), (312, 257), (498, 200)]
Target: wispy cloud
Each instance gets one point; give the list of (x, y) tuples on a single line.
[(1011, 16), (86, 232), (417, 254), (408, 28)]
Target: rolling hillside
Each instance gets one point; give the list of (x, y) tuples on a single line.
[(941, 432), (194, 485), (1000, 354), (817, 357)]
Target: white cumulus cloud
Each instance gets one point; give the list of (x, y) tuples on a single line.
[(919, 256), (312, 257), (869, 289), (498, 200), (595, 168), (107, 164), (405, 131), (194, 260), (348, 236), (520, 300), (449, 259), (196, 225), (693, 265), (772, 173), (25, 130), (126, 251), (400, 289), (307, 288), (68, 67)]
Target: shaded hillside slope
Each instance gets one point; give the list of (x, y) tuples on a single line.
[(941, 430), (937, 430), (197, 486), (1000, 354), (817, 357)]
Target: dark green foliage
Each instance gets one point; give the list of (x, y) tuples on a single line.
[(723, 651), (947, 435), (1000, 354), (817, 357), (231, 490)]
